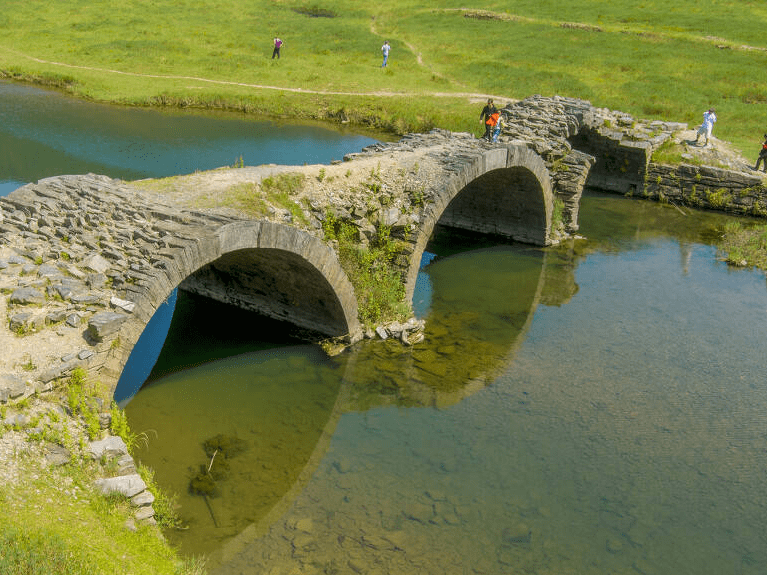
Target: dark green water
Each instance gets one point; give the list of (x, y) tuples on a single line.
[(595, 408)]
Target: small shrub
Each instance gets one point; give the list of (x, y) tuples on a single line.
[(372, 271), (81, 398), (719, 199)]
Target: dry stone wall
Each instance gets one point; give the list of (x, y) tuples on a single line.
[(707, 188)]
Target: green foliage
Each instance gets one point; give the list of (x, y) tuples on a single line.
[(719, 199), (377, 281), (119, 426), (82, 400), (288, 184), (669, 152), (276, 190), (557, 214), (164, 505), (29, 365), (745, 245), (315, 11)]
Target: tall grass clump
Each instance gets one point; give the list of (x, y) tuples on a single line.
[(744, 245), (84, 399)]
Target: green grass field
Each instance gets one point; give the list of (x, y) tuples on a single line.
[(652, 59)]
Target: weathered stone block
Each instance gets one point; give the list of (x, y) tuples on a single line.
[(105, 323), (128, 485), (11, 387), (27, 295), (97, 263), (112, 446)]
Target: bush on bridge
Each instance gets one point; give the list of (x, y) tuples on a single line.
[(372, 271)]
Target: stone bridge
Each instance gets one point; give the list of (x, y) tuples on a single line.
[(85, 261)]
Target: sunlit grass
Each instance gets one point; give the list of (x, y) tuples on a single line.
[(53, 523), (656, 60)]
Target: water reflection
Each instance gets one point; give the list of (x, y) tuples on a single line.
[(627, 436), (296, 396)]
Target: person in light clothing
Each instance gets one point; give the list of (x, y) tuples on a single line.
[(709, 117), (497, 127), (385, 50)]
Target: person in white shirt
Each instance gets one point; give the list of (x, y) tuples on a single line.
[(385, 50), (709, 117)]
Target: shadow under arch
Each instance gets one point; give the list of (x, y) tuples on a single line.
[(506, 191), (273, 269)]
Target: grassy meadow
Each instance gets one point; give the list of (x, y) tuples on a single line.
[(652, 59)]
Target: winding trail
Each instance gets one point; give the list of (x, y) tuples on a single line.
[(473, 96)]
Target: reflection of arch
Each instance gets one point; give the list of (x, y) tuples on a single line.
[(505, 191), (239, 543), (361, 388), (277, 270), (465, 347)]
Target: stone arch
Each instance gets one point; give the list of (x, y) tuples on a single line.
[(271, 268), (505, 191)]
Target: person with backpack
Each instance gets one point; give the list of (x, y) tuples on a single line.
[(484, 116), (497, 127), (277, 46), (762, 156)]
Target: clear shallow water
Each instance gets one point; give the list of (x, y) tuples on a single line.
[(598, 408)]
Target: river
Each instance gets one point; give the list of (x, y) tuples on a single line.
[(599, 407)]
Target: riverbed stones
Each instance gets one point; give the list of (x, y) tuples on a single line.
[(112, 446), (143, 499), (144, 513)]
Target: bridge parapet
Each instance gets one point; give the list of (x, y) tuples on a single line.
[(85, 261)]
